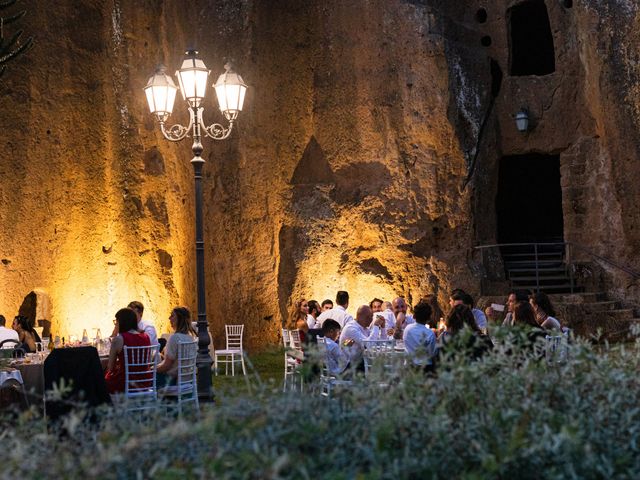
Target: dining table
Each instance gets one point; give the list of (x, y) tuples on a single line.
[(31, 369)]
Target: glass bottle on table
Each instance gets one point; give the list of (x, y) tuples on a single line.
[(85, 337)]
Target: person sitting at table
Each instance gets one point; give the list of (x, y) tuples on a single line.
[(314, 313), (436, 312), (525, 318), (354, 333), (26, 334), (7, 333), (129, 335), (401, 316), (462, 334), (337, 361), (419, 340), (545, 314), (180, 320)]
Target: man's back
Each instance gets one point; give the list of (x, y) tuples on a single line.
[(338, 313), (149, 329), (8, 334), (419, 341)]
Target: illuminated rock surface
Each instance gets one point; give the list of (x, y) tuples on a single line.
[(348, 169)]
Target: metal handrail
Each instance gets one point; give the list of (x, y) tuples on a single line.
[(624, 268), (478, 247), (569, 261)]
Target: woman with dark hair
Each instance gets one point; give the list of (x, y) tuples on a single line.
[(463, 332), (436, 311), (180, 320), (524, 316), (26, 334), (545, 314), (299, 318), (128, 334)]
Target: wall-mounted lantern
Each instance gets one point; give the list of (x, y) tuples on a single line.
[(522, 120)]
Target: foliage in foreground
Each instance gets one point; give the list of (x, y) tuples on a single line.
[(507, 416)]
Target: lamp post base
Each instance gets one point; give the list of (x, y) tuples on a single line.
[(205, 385)]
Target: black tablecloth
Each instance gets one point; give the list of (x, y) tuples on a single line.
[(81, 368)]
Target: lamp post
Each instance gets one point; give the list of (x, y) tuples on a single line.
[(161, 93)]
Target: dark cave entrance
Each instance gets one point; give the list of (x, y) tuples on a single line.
[(531, 44), (529, 199)]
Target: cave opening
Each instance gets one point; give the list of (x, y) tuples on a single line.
[(529, 199), (531, 47)]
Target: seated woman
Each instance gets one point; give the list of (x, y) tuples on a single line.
[(129, 335), (26, 334), (525, 318), (180, 319), (299, 319), (462, 334), (544, 311)]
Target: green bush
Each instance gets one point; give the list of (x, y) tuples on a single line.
[(509, 415)]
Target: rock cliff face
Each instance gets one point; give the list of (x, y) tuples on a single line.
[(365, 159)]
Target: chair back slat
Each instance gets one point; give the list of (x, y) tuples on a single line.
[(295, 339), (140, 369), (234, 336), (187, 356), (286, 338)]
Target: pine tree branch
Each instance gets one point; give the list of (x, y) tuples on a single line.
[(13, 18), (6, 3), (22, 48), (4, 47)]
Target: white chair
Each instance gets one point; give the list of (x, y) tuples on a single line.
[(186, 389), (233, 353), (556, 348), (140, 392), (292, 359), (379, 345), (328, 382)]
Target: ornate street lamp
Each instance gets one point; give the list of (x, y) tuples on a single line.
[(161, 93)]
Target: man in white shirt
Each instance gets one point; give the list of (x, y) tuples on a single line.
[(337, 360), (314, 312), (402, 317), (339, 313), (356, 332), (143, 325), (7, 333), (419, 340)]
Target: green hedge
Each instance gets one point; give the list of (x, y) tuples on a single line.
[(509, 415)]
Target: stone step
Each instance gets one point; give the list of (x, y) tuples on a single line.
[(532, 278), (532, 270), (590, 307), (618, 314), (532, 263), (580, 297)]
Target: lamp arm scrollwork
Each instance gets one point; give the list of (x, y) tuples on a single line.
[(177, 132), (215, 130)]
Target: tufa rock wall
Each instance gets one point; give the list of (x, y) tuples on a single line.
[(366, 157)]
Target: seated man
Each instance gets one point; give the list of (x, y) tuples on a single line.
[(337, 360), (401, 316), (419, 340), (356, 332)]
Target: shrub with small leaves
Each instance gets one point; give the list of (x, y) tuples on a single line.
[(508, 415)]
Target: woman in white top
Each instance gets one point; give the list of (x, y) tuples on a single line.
[(544, 311), (180, 319)]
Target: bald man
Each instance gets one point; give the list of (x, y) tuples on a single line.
[(355, 333), (402, 317)]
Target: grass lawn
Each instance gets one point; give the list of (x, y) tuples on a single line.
[(263, 367)]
